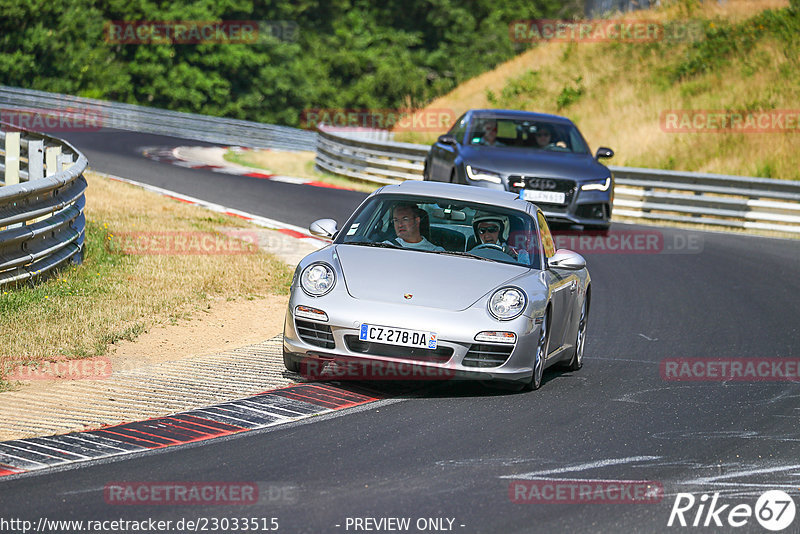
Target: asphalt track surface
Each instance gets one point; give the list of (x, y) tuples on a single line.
[(120, 153), (451, 450)]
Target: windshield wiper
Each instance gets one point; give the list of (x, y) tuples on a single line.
[(371, 244), (457, 253)]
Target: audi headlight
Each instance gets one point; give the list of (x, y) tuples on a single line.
[(507, 303), (317, 279), (483, 175), (597, 185)]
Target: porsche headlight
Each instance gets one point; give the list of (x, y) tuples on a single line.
[(507, 303), (483, 175), (317, 279)]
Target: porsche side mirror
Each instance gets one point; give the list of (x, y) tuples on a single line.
[(566, 259), (447, 140), (604, 152), (326, 228)]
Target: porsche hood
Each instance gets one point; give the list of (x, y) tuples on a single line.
[(421, 278)]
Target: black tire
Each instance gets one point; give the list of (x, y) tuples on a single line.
[(453, 177), (541, 353), (290, 363), (580, 338), (426, 173)]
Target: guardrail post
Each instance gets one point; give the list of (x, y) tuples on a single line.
[(35, 160), (63, 161), (698, 215), (12, 158), (51, 154)]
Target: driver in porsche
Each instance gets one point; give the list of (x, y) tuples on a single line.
[(492, 229)]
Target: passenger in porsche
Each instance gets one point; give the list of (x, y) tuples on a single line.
[(407, 219), (492, 229)]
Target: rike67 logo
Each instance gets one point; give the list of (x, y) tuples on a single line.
[(774, 510)]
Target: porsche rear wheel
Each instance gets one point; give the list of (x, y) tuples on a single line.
[(577, 359), (541, 354)]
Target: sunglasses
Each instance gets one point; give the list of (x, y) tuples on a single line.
[(489, 229)]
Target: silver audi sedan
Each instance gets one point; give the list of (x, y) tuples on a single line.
[(437, 281)]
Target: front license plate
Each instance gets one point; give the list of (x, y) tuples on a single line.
[(398, 336), (543, 196)]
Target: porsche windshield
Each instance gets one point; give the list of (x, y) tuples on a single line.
[(445, 226), (526, 134)]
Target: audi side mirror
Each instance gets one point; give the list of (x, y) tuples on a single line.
[(447, 140), (604, 152)]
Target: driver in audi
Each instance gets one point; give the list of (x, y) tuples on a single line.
[(492, 229)]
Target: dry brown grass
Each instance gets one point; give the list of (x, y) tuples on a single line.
[(732, 10), (623, 100), (116, 296), (296, 164)]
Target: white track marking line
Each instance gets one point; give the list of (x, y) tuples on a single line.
[(584, 467)]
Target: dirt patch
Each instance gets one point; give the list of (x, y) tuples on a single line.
[(223, 325)]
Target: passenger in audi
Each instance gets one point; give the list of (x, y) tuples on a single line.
[(489, 137), (543, 135)]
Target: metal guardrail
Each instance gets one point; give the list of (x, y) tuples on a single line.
[(651, 194), (380, 162), (104, 114), (42, 224)]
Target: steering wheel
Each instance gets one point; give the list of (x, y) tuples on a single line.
[(489, 245)]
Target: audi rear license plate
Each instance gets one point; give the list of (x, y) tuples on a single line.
[(397, 336), (550, 197)]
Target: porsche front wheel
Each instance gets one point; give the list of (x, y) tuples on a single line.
[(541, 355), (289, 363)]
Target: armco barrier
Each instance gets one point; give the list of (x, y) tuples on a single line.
[(381, 162), (652, 194), (157, 121), (41, 204)]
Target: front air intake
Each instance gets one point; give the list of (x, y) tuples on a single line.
[(315, 334), (484, 355)]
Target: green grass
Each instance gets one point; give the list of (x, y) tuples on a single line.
[(80, 311)]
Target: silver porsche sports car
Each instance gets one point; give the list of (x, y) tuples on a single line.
[(432, 281)]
